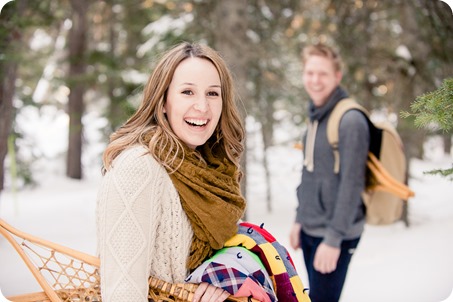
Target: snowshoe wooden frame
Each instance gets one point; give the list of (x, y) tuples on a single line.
[(66, 274)]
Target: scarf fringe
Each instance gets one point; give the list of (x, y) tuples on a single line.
[(199, 251)]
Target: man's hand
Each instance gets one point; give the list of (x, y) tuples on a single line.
[(326, 258), (294, 236), (206, 292)]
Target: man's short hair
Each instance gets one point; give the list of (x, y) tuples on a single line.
[(325, 51)]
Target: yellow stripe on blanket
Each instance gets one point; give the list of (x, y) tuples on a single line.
[(275, 258)]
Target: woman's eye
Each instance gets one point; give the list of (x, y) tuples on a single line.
[(213, 93), (188, 92)]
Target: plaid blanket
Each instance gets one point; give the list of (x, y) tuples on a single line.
[(238, 271)]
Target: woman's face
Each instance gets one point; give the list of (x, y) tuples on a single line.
[(194, 101)]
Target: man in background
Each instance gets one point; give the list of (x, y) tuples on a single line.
[(330, 216)]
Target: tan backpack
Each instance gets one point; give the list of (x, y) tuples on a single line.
[(386, 189)]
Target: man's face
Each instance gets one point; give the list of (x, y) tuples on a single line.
[(320, 78)]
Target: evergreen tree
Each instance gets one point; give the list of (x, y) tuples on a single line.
[(435, 110)]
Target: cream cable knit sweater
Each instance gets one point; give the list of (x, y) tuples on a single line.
[(142, 228)]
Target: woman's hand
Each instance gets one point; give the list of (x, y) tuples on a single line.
[(209, 293)]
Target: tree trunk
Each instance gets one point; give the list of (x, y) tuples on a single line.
[(76, 107), (411, 84), (447, 143), (8, 73), (267, 172), (230, 18)]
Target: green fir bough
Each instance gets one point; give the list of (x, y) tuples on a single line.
[(435, 110)]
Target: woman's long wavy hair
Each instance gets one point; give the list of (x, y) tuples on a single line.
[(149, 126)]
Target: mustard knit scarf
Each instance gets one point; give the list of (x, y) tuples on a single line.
[(211, 197)]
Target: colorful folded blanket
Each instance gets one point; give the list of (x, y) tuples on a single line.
[(253, 264), (275, 258)]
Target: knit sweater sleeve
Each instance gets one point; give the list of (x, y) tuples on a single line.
[(128, 204)]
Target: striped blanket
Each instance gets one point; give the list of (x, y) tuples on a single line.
[(254, 264)]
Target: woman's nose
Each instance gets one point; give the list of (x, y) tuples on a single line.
[(201, 104)]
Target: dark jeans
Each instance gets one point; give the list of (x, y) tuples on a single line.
[(326, 287)]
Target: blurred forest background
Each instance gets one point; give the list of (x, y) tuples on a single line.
[(92, 57)]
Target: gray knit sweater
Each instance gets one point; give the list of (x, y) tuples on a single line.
[(330, 205)]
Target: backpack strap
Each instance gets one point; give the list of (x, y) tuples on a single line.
[(333, 126)]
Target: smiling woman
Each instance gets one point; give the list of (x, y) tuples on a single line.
[(170, 194)]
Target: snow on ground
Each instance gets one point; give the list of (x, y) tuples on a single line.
[(393, 263)]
